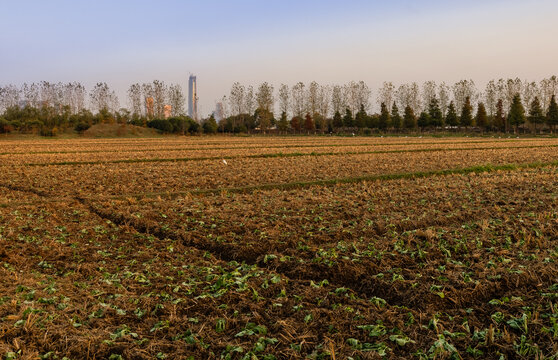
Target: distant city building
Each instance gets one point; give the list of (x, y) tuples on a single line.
[(149, 107), (219, 112), (192, 98), (167, 111)]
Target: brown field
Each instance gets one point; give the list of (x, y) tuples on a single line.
[(298, 247)]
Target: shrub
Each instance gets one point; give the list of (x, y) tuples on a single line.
[(5, 126), (162, 125), (50, 132), (81, 127)]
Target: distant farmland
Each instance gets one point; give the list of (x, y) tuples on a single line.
[(279, 248)]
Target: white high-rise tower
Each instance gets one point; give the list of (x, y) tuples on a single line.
[(192, 98)]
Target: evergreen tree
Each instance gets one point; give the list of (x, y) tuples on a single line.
[(348, 118), (423, 120), (434, 112), (536, 115), (283, 124), (395, 117), (337, 120), (552, 114), (481, 118), (372, 121), (466, 113), (499, 119), (409, 118), (451, 116), (384, 120), (516, 115), (360, 118)]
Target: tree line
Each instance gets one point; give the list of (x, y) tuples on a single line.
[(49, 108), (503, 105)]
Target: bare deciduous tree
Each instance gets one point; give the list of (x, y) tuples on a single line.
[(312, 96), (338, 101), (236, 98), (324, 100), (548, 88), (491, 97), (298, 102), (9, 96), (79, 93), (402, 96), (444, 97), (462, 90), (428, 92), (530, 91), (363, 94), (352, 96), (414, 98), (264, 97), (102, 98), (135, 99), (176, 99), (249, 101), (31, 94), (386, 94), (284, 99), (159, 95)]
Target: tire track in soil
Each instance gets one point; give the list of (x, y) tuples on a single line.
[(33, 191), (346, 274), (342, 275), (339, 277)]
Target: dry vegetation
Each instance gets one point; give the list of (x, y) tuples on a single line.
[(319, 248)]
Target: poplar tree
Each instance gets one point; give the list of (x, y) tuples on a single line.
[(516, 115)]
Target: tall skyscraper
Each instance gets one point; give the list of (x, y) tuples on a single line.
[(192, 98)]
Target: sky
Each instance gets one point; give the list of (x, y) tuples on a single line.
[(122, 42)]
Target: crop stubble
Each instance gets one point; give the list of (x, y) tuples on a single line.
[(464, 262)]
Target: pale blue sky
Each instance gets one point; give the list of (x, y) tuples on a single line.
[(222, 41)]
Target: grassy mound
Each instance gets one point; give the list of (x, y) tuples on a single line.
[(119, 130)]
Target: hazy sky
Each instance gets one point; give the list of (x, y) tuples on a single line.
[(251, 41)]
